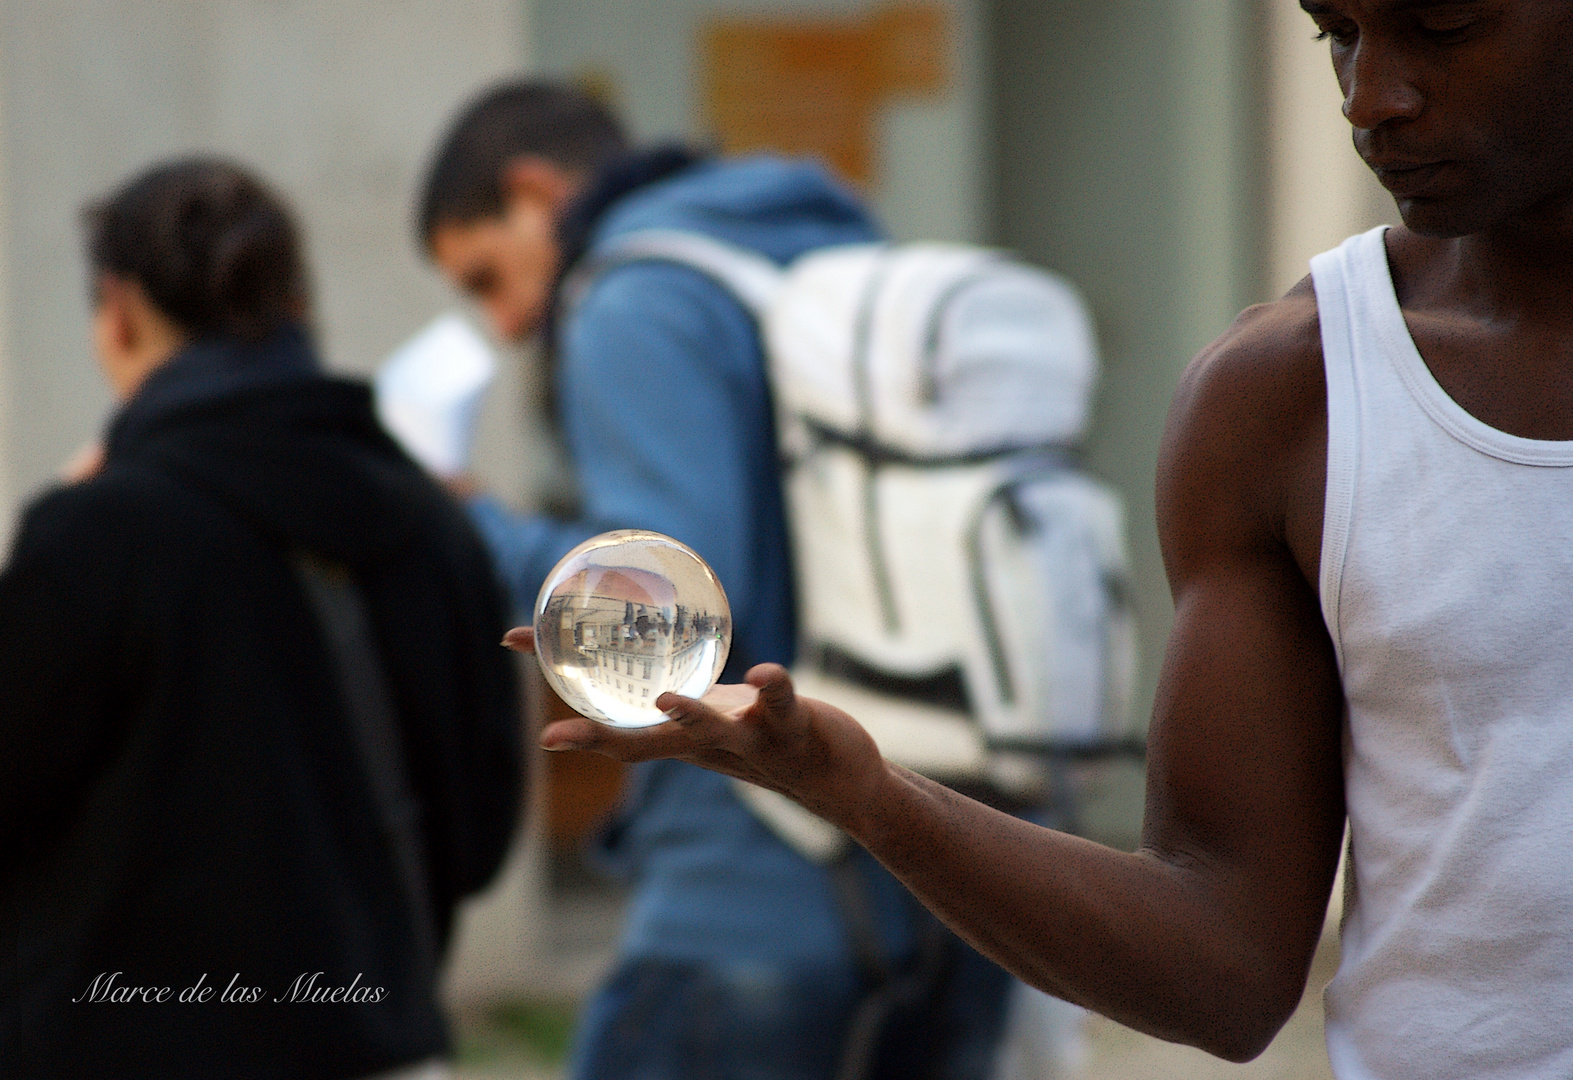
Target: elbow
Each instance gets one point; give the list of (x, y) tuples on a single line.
[(1243, 1019), (1221, 1013), (1243, 1045)]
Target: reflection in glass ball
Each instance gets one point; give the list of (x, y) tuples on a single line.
[(625, 617)]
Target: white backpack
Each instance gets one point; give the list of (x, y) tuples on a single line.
[(961, 583)]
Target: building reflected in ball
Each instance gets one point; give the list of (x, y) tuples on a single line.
[(625, 617)]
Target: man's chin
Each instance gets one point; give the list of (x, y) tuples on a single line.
[(1439, 219)]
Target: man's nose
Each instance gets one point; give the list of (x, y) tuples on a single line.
[(1378, 85)]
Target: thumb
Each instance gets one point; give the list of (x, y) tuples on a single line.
[(775, 688)]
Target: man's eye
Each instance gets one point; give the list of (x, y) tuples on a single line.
[(1447, 22), (1338, 35), (1447, 29)]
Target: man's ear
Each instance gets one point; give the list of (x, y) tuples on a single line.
[(117, 322), (130, 335), (540, 181)]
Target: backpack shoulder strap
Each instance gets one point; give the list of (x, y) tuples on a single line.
[(340, 608), (750, 277)]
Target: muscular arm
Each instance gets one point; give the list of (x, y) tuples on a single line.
[(1204, 935)]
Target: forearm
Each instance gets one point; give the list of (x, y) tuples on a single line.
[(1140, 937), (1204, 936)]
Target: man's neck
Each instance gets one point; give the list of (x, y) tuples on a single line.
[(1521, 268), (1489, 315)]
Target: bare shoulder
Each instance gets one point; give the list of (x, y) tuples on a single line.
[(1243, 460), (1269, 350)]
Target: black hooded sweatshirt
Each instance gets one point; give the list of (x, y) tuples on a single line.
[(182, 802)]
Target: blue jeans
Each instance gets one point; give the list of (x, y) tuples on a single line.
[(743, 960), (667, 1020)]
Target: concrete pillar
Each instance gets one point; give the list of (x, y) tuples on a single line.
[(1125, 158), (1180, 161), (1320, 190), (7, 480)]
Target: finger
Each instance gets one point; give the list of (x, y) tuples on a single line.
[(686, 711), (85, 464), (703, 725), (462, 487), (668, 740), (730, 698), (728, 702), (520, 639), (570, 734), (776, 695)]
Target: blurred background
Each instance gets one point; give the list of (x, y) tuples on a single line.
[(1177, 159)]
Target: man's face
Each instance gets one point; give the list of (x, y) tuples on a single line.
[(506, 264), (1464, 110)]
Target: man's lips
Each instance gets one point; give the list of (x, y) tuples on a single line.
[(1407, 177)]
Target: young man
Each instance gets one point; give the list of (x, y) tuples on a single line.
[(1366, 509), (737, 957)]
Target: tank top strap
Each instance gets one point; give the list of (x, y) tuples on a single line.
[(1343, 280)]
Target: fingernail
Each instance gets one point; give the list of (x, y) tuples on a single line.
[(673, 714)]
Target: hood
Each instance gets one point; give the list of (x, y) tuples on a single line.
[(298, 455), (779, 207)]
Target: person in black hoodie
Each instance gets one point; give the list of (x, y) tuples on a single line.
[(258, 735)]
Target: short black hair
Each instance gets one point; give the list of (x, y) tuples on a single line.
[(214, 249), (515, 119)]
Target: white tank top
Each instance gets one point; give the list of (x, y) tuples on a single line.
[(1447, 586)]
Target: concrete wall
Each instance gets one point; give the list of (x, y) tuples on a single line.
[(932, 182), (336, 104)]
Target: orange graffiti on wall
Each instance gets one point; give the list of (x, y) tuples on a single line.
[(814, 86)]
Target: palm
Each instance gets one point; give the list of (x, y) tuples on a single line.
[(759, 731)]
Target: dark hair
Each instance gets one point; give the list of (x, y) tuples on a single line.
[(516, 119), (214, 250)]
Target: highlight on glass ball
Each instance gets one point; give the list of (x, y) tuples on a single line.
[(625, 617)]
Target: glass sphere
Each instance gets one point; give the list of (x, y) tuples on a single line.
[(625, 617)]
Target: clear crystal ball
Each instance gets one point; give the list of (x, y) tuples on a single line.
[(625, 617)]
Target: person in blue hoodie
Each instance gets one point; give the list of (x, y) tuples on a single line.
[(740, 957)]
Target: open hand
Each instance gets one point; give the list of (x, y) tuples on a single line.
[(759, 731)]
